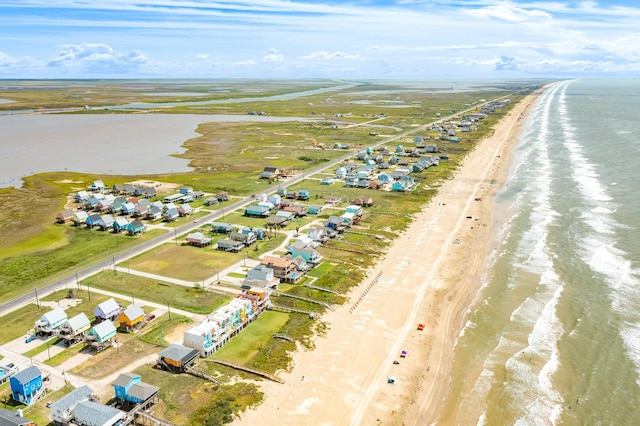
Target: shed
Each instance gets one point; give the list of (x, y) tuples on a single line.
[(177, 358), (27, 385)]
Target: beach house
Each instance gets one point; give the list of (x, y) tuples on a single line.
[(51, 321), (75, 328), (132, 318), (306, 251), (27, 385), (107, 310), (129, 387)]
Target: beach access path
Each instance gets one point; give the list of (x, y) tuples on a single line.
[(430, 275)]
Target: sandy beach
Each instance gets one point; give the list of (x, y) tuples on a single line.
[(430, 275)]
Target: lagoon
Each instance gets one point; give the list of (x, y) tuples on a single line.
[(127, 144)]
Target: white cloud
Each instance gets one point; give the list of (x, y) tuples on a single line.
[(13, 64), (99, 58), (330, 55)]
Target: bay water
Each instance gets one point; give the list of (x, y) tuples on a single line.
[(554, 335)]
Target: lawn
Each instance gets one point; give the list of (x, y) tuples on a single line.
[(184, 262), (187, 298), (242, 348)]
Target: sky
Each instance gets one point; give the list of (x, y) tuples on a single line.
[(358, 39)]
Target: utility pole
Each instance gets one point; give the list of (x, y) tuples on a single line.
[(37, 301)]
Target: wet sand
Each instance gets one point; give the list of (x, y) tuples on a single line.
[(430, 275)]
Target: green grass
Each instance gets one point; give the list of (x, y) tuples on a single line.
[(24, 273), (242, 348), (19, 322), (187, 298)]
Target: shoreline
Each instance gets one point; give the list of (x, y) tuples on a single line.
[(426, 277)]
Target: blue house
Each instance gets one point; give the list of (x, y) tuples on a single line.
[(221, 228), (27, 385), (121, 224), (103, 332), (257, 210), (315, 208), (93, 220), (136, 227), (51, 321), (128, 386), (306, 251)]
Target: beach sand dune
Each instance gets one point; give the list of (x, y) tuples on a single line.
[(430, 275)]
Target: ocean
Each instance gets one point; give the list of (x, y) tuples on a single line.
[(554, 335)]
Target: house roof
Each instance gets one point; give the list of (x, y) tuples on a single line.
[(104, 329), (276, 261), (91, 413), (198, 236), (178, 352), (133, 312), (79, 321), (124, 379), (121, 221), (109, 306), (70, 400), (27, 375), (55, 315), (142, 391), (12, 418)]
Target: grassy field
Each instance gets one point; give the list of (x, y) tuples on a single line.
[(187, 298), (254, 338)]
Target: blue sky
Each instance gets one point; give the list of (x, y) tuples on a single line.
[(317, 39)]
